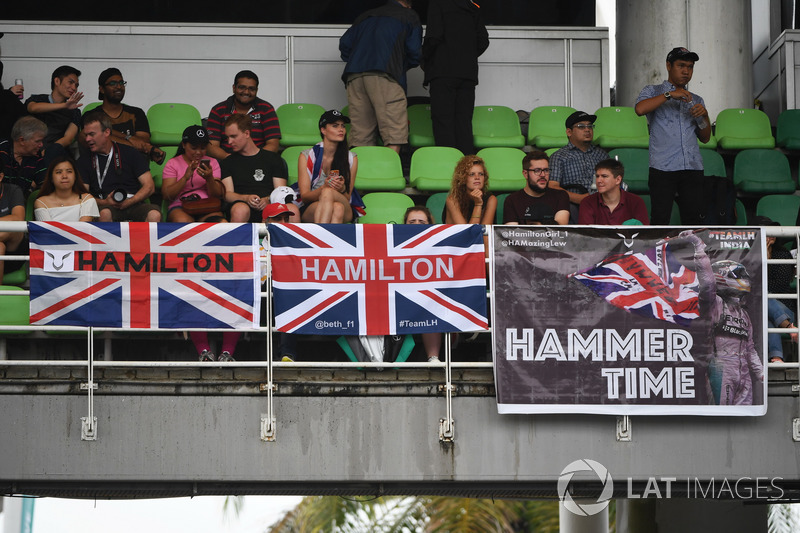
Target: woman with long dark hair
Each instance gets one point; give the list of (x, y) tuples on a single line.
[(63, 195), (327, 174)]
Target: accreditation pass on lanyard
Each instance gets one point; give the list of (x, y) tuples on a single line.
[(101, 179)]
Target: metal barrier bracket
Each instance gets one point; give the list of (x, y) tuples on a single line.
[(624, 429), (447, 429), (88, 428), (267, 428)]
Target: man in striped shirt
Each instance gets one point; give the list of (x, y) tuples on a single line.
[(21, 155), (266, 132)]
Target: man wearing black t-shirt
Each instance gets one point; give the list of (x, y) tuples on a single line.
[(59, 110), (129, 124), (117, 174), (536, 203), (250, 174)]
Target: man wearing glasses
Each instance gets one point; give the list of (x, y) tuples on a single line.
[(266, 133), (572, 167), (129, 124), (536, 203)]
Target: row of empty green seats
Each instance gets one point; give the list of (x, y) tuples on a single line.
[(497, 125)]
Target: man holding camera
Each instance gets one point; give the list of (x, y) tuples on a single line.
[(117, 175)]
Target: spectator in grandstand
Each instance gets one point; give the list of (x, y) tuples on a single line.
[(469, 200), (381, 45), (572, 167), (610, 205), (59, 110), (536, 203), (11, 106), (278, 213), (128, 124), (250, 174), (454, 38), (12, 208), (265, 130), (117, 175), (63, 195), (191, 181), (432, 342), (780, 313), (327, 174), (21, 155), (678, 119)]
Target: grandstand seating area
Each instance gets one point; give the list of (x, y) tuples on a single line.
[(763, 167)]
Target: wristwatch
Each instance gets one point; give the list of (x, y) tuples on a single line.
[(667, 95)]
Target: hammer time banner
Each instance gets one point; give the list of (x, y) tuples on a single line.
[(629, 320)]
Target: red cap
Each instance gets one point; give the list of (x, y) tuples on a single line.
[(273, 210)]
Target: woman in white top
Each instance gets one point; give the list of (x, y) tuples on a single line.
[(63, 195)]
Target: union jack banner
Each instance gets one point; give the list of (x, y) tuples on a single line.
[(374, 279), (142, 275), (651, 284)]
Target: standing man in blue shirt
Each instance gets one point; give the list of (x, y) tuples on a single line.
[(381, 45), (678, 118)]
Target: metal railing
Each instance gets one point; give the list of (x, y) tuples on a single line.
[(268, 421)]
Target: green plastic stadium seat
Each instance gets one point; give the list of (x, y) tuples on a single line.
[(14, 309), (741, 129), (781, 208), (496, 125), (379, 169), (385, 207), (713, 164), (498, 214), (17, 277), (156, 170), (167, 122), (432, 167), (89, 107), (675, 216), (788, 131), (546, 127), (291, 156), (551, 151), (29, 216), (711, 144), (504, 166), (741, 213), (420, 127), (299, 124), (620, 127), (637, 167), (760, 171), (435, 205)]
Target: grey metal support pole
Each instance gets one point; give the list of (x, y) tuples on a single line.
[(569, 522), (719, 31)]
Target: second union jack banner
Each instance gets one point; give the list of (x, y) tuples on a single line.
[(373, 279), (141, 275), (652, 283)]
